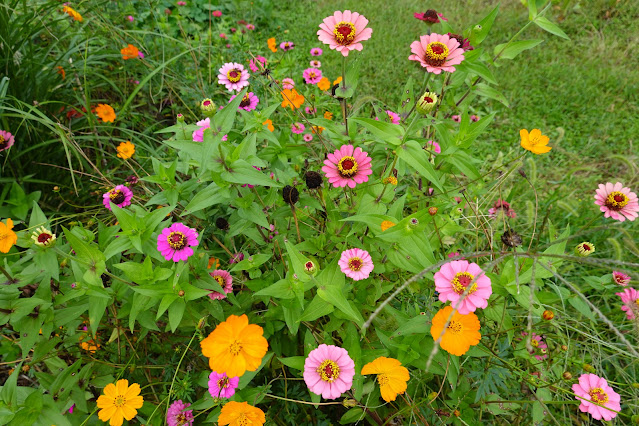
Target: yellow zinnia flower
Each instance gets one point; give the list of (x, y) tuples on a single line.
[(235, 346), (119, 402), (7, 237), (240, 414), (462, 331), (126, 150), (534, 142), (391, 376), (106, 113)]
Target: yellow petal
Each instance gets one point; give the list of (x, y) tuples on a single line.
[(132, 391), (128, 412), (110, 391), (122, 386), (107, 412)]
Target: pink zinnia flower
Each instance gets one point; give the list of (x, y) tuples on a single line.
[(236, 258), (630, 299), (130, 18), (249, 101), (329, 371), (617, 201), (454, 277), (620, 278), (221, 385), (181, 3), (175, 242), (312, 75), (540, 347), (315, 63), (503, 207), (250, 27), (6, 140), (222, 35), (344, 31), (394, 117), (356, 264), (140, 55), (456, 118), (198, 135), (288, 83), (474, 118), (233, 30), (253, 63), (176, 414), (434, 147), (592, 388), (308, 137), (287, 45), (310, 111), (455, 253), (437, 53), (217, 13), (347, 166), (297, 128), (463, 42), (225, 280), (316, 51), (233, 76), (120, 196)]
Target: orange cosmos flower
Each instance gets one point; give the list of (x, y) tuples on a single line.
[(62, 72), (235, 346), (386, 224), (272, 44), (317, 130), (324, 84), (129, 52), (7, 237), (213, 261), (338, 81), (328, 115), (240, 414), (462, 331), (119, 402), (291, 98), (125, 150), (534, 142), (391, 376), (106, 113), (72, 13), (269, 124)]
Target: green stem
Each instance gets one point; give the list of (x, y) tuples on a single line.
[(177, 369), (6, 274)]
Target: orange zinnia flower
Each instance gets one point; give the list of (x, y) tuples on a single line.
[(213, 261), (239, 414), (125, 150), (324, 84), (235, 346), (106, 113), (317, 130), (129, 52), (328, 115), (391, 376), (269, 124), (292, 98), (462, 331), (271, 44)]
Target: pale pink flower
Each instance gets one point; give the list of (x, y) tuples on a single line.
[(393, 117), (254, 62), (288, 83), (297, 128), (316, 51), (329, 371), (433, 147), (456, 118), (233, 76), (312, 75), (287, 45), (630, 299), (177, 415), (437, 53), (617, 201), (310, 111), (592, 388), (308, 137), (315, 63), (225, 281), (198, 135), (221, 385), (356, 264), (347, 166), (6, 140), (620, 278), (452, 280), (344, 31)]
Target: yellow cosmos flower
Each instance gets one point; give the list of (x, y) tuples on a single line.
[(391, 376), (292, 98), (324, 84), (240, 414), (126, 150), (7, 237), (534, 142), (72, 13), (462, 331), (119, 402)]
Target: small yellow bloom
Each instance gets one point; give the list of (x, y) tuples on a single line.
[(386, 224), (324, 84), (7, 237), (126, 150), (269, 125), (240, 414), (119, 402), (328, 115), (534, 142), (391, 376)]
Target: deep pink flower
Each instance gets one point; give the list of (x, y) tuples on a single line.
[(316, 51), (540, 348), (140, 55), (502, 207), (198, 135), (249, 101), (222, 35), (177, 415), (308, 137), (233, 30), (474, 118), (356, 264), (630, 299), (310, 110), (433, 147), (288, 83), (175, 242), (452, 280), (430, 16), (463, 42), (250, 27), (287, 45), (233, 76), (181, 3), (312, 75), (217, 13), (71, 409), (620, 278), (344, 31), (394, 117), (130, 18), (617, 201), (221, 385), (315, 63), (347, 166), (297, 128), (456, 118), (329, 371), (258, 59), (437, 53), (225, 280), (6, 140), (592, 388), (120, 196)]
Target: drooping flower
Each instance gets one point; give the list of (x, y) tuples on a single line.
[(233, 76), (72, 13), (235, 346), (463, 42), (288, 83), (502, 207), (225, 281), (316, 51), (617, 201), (272, 44), (356, 264), (253, 63), (287, 45), (324, 84), (393, 117), (129, 52), (462, 331), (329, 371), (120, 196), (119, 402), (221, 385), (312, 75), (269, 125), (630, 300), (437, 53), (308, 137), (175, 242), (249, 101), (6, 140), (534, 142), (386, 224), (240, 414), (585, 249), (540, 348), (433, 147), (592, 390), (297, 128), (430, 16), (347, 166), (125, 150), (620, 278), (391, 376), (177, 414), (106, 113), (291, 98), (344, 31), (452, 280), (7, 237), (43, 237), (426, 103)]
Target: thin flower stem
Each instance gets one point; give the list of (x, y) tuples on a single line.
[(221, 245), (302, 402), (424, 85), (297, 226), (177, 369), (6, 274)]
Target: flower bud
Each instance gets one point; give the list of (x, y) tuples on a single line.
[(208, 107), (548, 315), (310, 267), (567, 375), (588, 368), (585, 249), (432, 396), (181, 293), (426, 103), (457, 413), (432, 211), (564, 347), (180, 118)]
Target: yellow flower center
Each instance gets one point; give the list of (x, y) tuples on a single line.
[(355, 264), (1, 139), (463, 280), (534, 141), (235, 348), (234, 75), (119, 401), (347, 166), (616, 200), (383, 379), (117, 196), (328, 371), (219, 279), (534, 342), (344, 32), (455, 327), (598, 395), (177, 240), (436, 53)]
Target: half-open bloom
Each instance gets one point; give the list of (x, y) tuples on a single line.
[(391, 376), (501, 207), (433, 147), (225, 281), (540, 348), (120, 196), (177, 414), (620, 278), (437, 53), (249, 101), (175, 242), (617, 201), (233, 76), (347, 166), (329, 371), (344, 31), (430, 16), (393, 117), (221, 385), (240, 414), (592, 390), (119, 402), (454, 278), (630, 300), (43, 237), (462, 331), (356, 264), (198, 135)]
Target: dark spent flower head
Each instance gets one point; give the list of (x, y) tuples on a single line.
[(430, 16), (511, 238), (222, 223), (290, 194), (463, 42), (132, 180), (313, 179)]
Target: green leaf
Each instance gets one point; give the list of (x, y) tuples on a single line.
[(283, 289), (316, 309), (296, 362), (254, 214), (547, 25), (478, 68), (481, 30), (490, 92), (203, 199), (223, 120), (176, 312), (413, 154), (512, 50), (386, 132), (582, 307), (244, 173), (336, 297), (37, 218), (91, 256), (97, 306)]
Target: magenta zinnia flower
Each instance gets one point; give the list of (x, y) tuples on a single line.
[(394, 117), (456, 118), (316, 51), (592, 388), (221, 385), (620, 278), (176, 414), (503, 207), (329, 371), (175, 242), (225, 280), (312, 75), (452, 280), (258, 59), (430, 16), (434, 147), (356, 264), (617, 201), (233, 76), (217, 13), (344, 31), (120, 196), (288, 83), (249, 101), (287, 45), (297, 128), (347, 166), (6, 140), (437, 53), (198, 135), (630, 299)]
